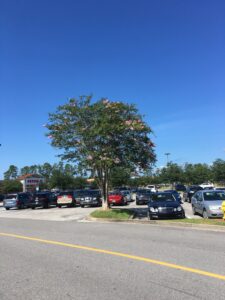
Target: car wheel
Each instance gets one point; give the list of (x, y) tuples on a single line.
[(205, 214), (150, 217), (193, 210), (82, 206), (137, 203), (7, 208), (33, 207), (183, 216), (59, 206)]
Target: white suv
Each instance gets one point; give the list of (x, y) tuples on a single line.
[(152, 188)]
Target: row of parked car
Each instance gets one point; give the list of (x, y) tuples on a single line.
[(71, 198)]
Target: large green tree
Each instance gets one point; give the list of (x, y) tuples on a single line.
[(218, 171), (11, 173), (99, 136), (10, 186)]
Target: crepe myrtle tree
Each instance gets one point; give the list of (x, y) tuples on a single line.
[(101, 135)]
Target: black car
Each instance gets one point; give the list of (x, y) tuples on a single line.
[(180, 187), (43, 199), (164, 205), (89, 198), (175, 194), (143, 196), (190, 192)]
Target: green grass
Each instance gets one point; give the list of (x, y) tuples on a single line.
[(119, 214), (201, 221)]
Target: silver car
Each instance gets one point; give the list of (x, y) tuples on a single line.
[(208, 203)]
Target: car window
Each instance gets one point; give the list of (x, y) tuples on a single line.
[(163, 197), (65, 193), (212, 196), (12, 196)]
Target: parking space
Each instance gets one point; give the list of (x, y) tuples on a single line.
[(51, 214)]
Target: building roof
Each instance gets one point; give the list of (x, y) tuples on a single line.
[(29, 176)]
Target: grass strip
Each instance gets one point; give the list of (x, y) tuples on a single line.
[(116, 213), (219, 222)]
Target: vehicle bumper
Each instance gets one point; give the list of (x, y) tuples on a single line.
[(10, 206), (167, 214), (215, 214), (90, 203)]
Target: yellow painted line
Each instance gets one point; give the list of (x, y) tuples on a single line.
[(134, 257)]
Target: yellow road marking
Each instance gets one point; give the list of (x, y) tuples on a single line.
[(134, 257)]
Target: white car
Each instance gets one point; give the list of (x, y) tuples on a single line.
[(207, 185)]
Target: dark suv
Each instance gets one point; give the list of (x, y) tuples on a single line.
[(90, 198), (190, 192), (143, 196), (17, 200), (43, 199)]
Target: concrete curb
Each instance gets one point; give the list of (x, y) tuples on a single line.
[(163, 223)]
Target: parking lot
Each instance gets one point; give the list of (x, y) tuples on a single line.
[(76, 213)]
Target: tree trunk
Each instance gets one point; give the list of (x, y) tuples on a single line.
[(103, 185)]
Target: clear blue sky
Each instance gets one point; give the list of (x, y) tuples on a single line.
[(166, 56)]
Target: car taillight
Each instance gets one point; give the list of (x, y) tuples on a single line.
[(69, 196), (59, 197)]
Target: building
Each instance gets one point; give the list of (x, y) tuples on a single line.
[(31, 182)]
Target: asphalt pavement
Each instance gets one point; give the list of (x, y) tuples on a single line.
[(77, 260)]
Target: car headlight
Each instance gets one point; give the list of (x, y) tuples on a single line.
[(179, 208), (94, 198), (152, 209)]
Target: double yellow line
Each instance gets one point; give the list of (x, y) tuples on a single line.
[(119, 254)]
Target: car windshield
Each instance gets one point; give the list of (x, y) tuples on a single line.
[(91, 193), (65, 193), (10, 196), (42, 195), (213, 196), (195, 188), (115, 193), (162, 197), (144, 192)]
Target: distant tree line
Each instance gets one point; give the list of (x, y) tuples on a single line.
[(64, 176)]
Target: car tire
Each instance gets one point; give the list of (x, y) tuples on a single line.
[(205, 214), (59, 206), (82, 206), (183, 216), (150, 217), (33, 207), (7, 208), (194, 211)]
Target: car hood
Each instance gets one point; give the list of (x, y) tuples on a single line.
[(163, 204), (213, 203)]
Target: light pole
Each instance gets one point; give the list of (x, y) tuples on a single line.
[(167, 157)]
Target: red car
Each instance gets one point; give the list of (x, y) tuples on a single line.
[(117, 198)]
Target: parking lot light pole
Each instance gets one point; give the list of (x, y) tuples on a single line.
[(167, 157)]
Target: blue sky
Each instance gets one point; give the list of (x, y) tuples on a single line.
[(166, 56)]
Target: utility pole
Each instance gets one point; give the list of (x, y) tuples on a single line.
[(167, 157)]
